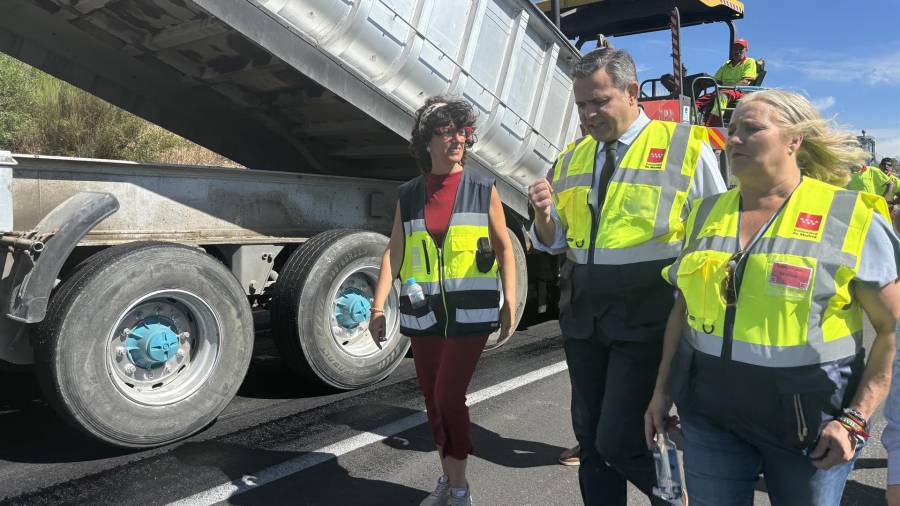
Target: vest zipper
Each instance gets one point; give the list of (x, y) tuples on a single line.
[(427, 262), (440, 249), (440, 252)]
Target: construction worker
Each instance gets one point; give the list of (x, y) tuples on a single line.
[(614, 203), (775, 279), (739, 70), (874, 180), (887, 167)]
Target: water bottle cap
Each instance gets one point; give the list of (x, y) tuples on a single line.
[(411, 281)]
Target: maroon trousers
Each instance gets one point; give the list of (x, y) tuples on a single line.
[(445, 367)]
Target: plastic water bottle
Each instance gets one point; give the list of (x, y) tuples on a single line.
[(415, 293), (669, 471)]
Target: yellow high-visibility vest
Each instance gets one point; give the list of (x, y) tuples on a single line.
[(643, 215), (459, 298), (794, 306), (869, 179)]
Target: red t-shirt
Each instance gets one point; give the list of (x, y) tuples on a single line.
[(440, 194)]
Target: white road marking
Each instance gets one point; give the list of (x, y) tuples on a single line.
[(265, 476)]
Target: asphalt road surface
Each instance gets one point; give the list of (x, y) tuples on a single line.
[(283, 442)]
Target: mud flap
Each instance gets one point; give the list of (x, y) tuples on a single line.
[(34, 273)]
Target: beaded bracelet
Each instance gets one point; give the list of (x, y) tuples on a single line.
[(853, 427), (856, 416)]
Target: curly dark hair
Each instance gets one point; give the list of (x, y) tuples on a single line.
[(439, 111)]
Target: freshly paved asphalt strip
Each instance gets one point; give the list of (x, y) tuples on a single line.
[(277, 472), (284, 442)]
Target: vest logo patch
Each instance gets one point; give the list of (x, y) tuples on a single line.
[(790, 276), (808, 225), (655, 158)]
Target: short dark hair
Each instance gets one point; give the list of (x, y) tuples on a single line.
[(617, 63), (436, 112), (886, 159)]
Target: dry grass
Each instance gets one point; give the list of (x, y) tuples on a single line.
[(192, 154), (42, 115)]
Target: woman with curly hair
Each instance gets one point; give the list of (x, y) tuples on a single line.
[(775, 276), (449, 234)]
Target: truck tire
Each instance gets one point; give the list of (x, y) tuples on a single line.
[(145, 344), (494, 341), (308, 298)]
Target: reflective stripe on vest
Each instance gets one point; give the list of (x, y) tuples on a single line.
[(459, 298), (645, 206), (795, 305)]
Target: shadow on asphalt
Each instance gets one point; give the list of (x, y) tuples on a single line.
[(858, 494), (328, 484), (870, 464), (32, 431), (488, 445), (269, 378), (325, 482)]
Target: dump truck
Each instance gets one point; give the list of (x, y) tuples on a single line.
[(133, 290)]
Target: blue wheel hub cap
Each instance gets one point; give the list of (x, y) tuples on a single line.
[(152, 342), (352, 308)]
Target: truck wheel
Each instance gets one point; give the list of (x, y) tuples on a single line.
[(494, 341), (145, 344), (320, 311)]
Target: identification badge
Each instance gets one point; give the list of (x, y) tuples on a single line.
[(790, 276)]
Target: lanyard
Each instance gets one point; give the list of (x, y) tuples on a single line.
[(730, 311)]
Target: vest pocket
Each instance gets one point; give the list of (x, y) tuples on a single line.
[(418, 323), (700, 276), (575, 216), (417, 318), (461, 255), (633, 208), (805, 396), (489, 315)]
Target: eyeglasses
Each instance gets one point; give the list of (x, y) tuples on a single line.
[(727, 288), (449, 131)]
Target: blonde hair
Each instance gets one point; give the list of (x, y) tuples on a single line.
[(826, 153)]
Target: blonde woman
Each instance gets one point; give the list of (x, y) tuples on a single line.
[(775, 279)]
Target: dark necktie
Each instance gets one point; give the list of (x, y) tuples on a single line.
[(609, 164)]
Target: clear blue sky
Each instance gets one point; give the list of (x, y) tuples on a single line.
[(845, 57)]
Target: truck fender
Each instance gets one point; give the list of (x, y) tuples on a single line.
[(34, 273)]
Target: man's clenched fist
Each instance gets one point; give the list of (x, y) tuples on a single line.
[(539, 193)]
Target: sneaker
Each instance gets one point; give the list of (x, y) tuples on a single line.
[(571, 457), (460, 500), (440, 495)]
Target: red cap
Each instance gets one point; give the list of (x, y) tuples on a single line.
[(742, 42)]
